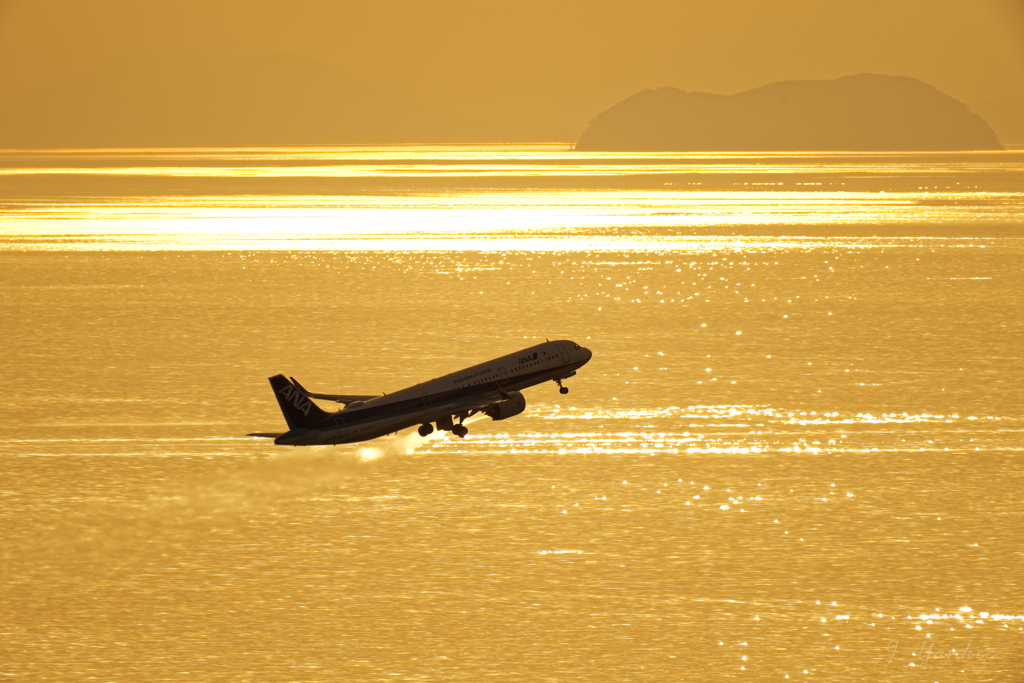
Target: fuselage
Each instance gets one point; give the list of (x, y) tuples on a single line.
[(439, 400)]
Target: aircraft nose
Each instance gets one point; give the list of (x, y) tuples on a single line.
[(586, 354)]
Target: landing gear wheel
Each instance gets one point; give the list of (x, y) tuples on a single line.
[(563, 390), (426, 430), (460, 431)]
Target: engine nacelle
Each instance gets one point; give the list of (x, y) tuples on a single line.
[(512, 406)]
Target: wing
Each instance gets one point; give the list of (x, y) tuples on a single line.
[(337, 398), (479, 401)]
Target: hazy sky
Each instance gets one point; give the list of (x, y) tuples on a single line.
[(551, 63)]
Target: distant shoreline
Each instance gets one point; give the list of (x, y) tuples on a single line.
[(567, 145)]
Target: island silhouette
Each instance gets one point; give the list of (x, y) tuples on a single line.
[(864, 112)]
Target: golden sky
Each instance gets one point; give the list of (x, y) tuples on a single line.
[(548, 65)]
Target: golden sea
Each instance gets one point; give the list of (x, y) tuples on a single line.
[(795, 456)]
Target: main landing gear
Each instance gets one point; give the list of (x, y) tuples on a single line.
[(458, 430), (561, 389)]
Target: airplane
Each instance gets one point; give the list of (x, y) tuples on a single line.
[(493, 388)]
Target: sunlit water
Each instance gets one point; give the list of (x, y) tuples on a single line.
[(796, 452)]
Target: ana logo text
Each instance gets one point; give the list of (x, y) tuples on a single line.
[(292, 394), (526, 359)]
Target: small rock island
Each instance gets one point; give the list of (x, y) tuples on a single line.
[(865, 112)]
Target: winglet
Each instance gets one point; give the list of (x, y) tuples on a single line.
[(337, 398)]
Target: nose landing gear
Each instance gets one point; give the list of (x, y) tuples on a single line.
[(561, 389)]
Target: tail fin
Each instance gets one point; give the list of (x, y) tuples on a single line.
[(299, 411)]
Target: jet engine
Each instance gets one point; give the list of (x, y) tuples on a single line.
[(512, 406)]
